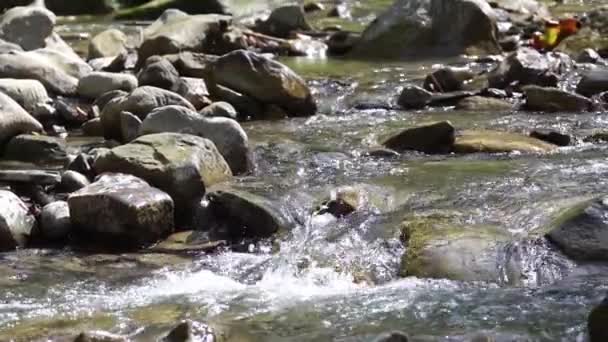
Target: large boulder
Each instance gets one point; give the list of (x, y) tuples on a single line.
[(175, 31), (551, 99), (227, 135), (433, 138), (182, 165), (593, 82), (27, 93), (499, 142), (98, 83), (14, 120), (109, 43), (122, 210), (27, 27), (438, 249), (140, 102), (418, 27), (263, 79), (581, 232), (37, 149), (15, 222), (58, 72)]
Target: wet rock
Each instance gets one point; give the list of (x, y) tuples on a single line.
[(552, 137), (73, 181), (593, 82), (414, 97), (341, 42), (183, 165), (555, 100), (109, 43), (284, 20), (129, 126), (581, 232), (27, 27), (596, 322), (14, 120), (27, 93), (343, 201), (590, 56), (59, 73), (99, 336), (159, 72), (190, 331), (36, 149), (98, 83), (245, 215), (15, 222), (447, 79), (140, 103), (191, 241), (176, 31), (482, 103), (437, 248), (498, 142), (37, 177), (81, 164), (263, 79), (93, 128), (195, 91), (434, 138), (395, 336), (70, 112), (55, 221), (246, 106), (597, 137), (417, 27), (121, 209), (528, 66), (219, 109), (226, 134)]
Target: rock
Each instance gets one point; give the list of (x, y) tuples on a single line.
[(154, 9), (6, 47), (122, 210), (73, 181), (182, 165), (160, 73), (55, 221), (82, 164), (56, 43), (525, 7), (44, 112), (130, 126), (27, 27), (246, 106), (15, 222), (498, 142), (98, 83), (590, 56), (219, 109), (417, 28), (581, 231), (414, 97), (552, 137), (109, 43), (176, 31), (191, 241), (140, 103), (27, 93), (105, 98), (342, 42), (395, 336), (447, 79), (226, 134), (593, 82), (58, 72), (596, 322), (343, 201), (481, 103), (14, 120), (437, 248), (37, 177), (195, 91), (189, 331), (263, 79), (528, 66), (284, 20), (555, 100), (36, 149), (70, 112), (99, 336), (433, 138), (93, 128), (245, 215)]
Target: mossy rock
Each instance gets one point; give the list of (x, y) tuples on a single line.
[(499, 142)]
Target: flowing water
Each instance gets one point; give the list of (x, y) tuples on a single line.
[(337, 279)]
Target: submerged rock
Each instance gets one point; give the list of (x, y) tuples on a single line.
[(581, 232), (14, 120), (263, 79), (27, 93), (122, 210), (183, 165), (15, 222), (227, 135), (555, 100), (27, 26), (36, 149), (434, 138), (498, 142), (109, 43), (98, 83), (55, 223)]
